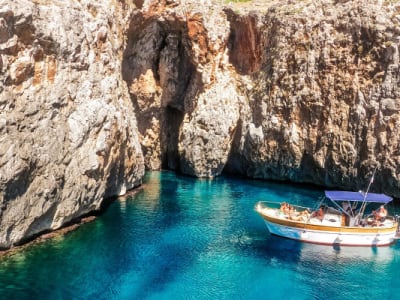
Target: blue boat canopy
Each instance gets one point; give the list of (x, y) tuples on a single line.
[(357, 197)]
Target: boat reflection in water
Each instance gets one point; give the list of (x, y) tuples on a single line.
[(332, 256), (312, 252)]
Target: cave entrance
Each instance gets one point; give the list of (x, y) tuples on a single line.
[(161, 76)]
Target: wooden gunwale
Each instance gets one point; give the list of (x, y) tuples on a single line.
[(341, 229)]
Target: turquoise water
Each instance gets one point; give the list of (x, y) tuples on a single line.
[(182, 238)]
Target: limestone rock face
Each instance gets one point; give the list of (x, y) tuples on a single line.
[(68, 133), (323, 104), (176, 65), (300, 91)]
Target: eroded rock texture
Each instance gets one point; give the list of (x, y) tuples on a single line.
[(323, 103), (176, 67), (300, 91), (67, 126)]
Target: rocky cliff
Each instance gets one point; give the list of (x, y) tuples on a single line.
[(303, 91), (92, 92), (67, 125), (324, 99)]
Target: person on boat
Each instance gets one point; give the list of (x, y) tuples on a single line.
[(302, 216), (319, 214), (380, 215), (295, 217), (293, 213), (346, 207), (285, 208)]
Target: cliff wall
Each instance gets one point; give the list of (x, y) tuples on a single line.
[(67, 125), (93, 92), (302, 91), (324, 99)]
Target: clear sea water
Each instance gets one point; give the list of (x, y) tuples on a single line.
[(185, 238)]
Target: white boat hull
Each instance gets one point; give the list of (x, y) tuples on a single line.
[(332, 237)]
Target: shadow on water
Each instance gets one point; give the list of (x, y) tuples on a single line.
[(164, 268), (268, 246), (171, 246)]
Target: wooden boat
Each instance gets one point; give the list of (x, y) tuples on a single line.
[(340, 220)]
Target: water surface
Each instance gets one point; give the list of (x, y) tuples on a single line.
[(185, 238)]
